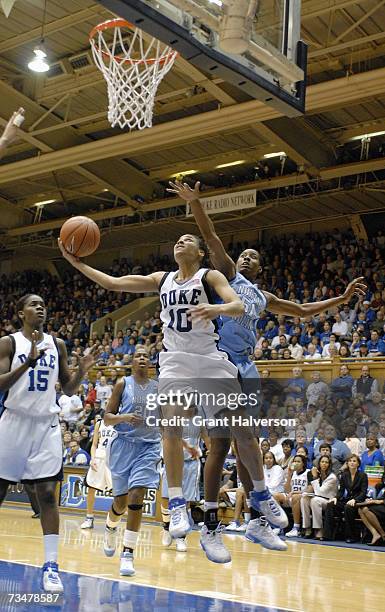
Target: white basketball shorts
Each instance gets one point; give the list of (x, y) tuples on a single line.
[(30, 448)]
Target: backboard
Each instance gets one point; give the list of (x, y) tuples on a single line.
[(252, 44)]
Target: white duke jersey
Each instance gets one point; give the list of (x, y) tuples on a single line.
[(106, 434), (179, 332), (299, 482), (34, 393)]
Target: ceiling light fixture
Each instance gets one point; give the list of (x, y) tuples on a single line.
[(271, 155), (234, 163), (39, 63), (370, 135), (44, 202)]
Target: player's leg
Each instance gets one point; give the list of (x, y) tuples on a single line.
[(258, 529), (249, 451), (296, 508), (307, 510), (235, 524), (114, 515), (134, 517), (4, 484), (89, 522), (372, 523), (31, 492), (166, 537), (46, 493), (211, 532)]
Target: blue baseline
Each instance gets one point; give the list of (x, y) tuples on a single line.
[(84, 592)]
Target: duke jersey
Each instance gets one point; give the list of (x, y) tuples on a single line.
[(135, 401), (299, 482), (237, 335), (34, 393), (179, 332), (106, 434)]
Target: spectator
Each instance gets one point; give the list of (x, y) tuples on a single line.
[(372, 515), (103, 392), (75, 455), (322, 488), (295, 484), (296, 350), (352, 441), (376, 345), (325, 450), (340, 451), (70, 407), (274, 474), (352, 490), (365, 384), (341, 387), (275, 446), (85, 440), (296, 386), (340, 327), (330, 347), (375, 406), (312, 353), (372, 456), (316, 388), (286, 461), (265, 446), (67, 438)]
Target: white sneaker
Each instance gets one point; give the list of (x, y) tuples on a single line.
[(241, 527), (293, 533), (51, 579), (127, 564), (271, 510), (259, 531), (88, 523), (166, 538), (179, 520), (212, 544), (232, 526), (181, 544), (109, 543)]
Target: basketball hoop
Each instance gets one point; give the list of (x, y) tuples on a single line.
[(133, 68)]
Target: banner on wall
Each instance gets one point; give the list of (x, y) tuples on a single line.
[(73, 494), (227, 202)]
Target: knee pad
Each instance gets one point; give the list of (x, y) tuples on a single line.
[(135, 507), (117, 513)]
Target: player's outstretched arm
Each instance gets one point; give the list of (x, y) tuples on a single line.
[(111, 416), (10, 131), (220, 259), (132, 283), (232, 306), (285, 307)]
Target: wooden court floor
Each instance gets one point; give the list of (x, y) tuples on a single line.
[(307, 577)]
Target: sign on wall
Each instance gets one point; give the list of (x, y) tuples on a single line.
[(226, 202)]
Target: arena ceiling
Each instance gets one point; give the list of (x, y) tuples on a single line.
[(69, 153)]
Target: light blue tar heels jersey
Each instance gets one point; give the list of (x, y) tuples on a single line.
[(135, 400), (237, 336)]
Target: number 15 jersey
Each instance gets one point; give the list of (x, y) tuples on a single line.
[(180, 333), (34, 393)]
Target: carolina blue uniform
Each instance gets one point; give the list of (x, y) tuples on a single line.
[(134, 458), (238, 336)]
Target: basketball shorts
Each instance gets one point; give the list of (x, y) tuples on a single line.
[(100, 478), (190, 484), (134, 464), (212, 378), (30, 448)]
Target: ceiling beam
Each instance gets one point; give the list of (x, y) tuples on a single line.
[(321, 97), (54, 26), (346, 45), (357, 23), (327, 174)]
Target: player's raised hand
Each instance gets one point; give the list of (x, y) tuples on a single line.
[(87, 361), (34, 353), (355, 287), (184, 191), (10, 132), (71, 258)]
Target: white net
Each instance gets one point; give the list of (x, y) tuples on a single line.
[(133, 68)]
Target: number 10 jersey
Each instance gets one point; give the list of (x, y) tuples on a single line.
[(180, 333)]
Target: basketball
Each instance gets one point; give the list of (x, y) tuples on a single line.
[(80, 236)]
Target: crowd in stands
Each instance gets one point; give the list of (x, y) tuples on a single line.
[(343, 421)]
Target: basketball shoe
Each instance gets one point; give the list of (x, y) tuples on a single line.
[(88, 523), (179, 520), (51, 579), (166, 538), (264, 503), (109, 543), (181, 545), (127, 564), (259, 531), (212, 544)]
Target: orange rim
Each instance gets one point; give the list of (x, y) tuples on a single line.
[(122, 23)]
